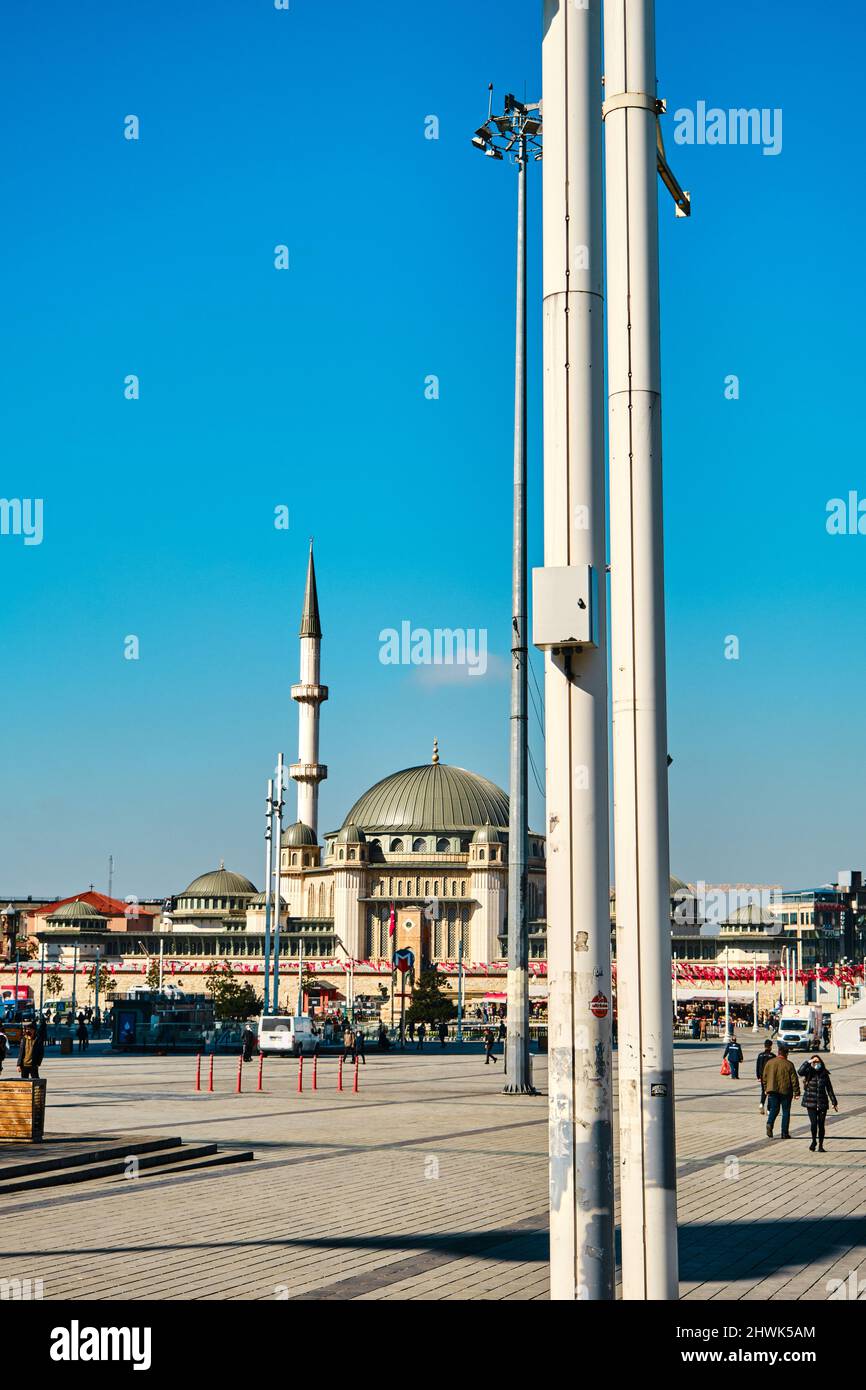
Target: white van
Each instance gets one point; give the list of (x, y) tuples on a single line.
[(287, 1035), (801, 1025)]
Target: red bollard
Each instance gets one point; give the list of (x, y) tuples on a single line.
[(355, 1082), (300, 1071), (340, 1075), (315, 1067), (198, 1072), (240, 1073), (210, 1074), (261, 1062)]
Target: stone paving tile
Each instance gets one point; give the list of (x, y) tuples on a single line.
[(389, 1192)]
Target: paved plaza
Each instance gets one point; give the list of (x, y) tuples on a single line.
[(428, 1184)]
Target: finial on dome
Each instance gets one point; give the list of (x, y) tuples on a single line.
[(222, 864), (435, 751)]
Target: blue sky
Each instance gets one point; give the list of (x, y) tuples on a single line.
[(306, 388)]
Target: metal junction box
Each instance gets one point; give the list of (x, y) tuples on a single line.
[(564, 607)]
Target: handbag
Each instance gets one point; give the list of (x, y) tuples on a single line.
[(724, 1069)]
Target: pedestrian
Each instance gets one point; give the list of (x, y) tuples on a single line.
[(361, 1046), (443, 1033), (82, 1034), (422, 1033), (42, 1030), (30, 1054), (825, 1034), (502, 1029), (248, 1043), (4, 1047), (411, 1030), (489, 1041), (348, 1043), (781, 1085), (818, 1095), (703, 1028), (734, 1053), (760, 1062)]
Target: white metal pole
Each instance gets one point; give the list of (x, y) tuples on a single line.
[(727, 996), (161, 960), (578, 877), (755, 992), (643, 929), (278, 881), (269, 890)]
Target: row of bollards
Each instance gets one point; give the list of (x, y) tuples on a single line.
[(315, 1077)]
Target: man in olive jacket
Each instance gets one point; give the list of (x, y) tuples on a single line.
[(30, 1054), (780, 1082)]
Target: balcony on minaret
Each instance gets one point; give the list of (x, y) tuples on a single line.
[(308, 772), (313, 694)]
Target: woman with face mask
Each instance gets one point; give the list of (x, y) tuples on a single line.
[(818, 1095)]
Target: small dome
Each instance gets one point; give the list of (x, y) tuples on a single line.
[(79, 912), (299, 834), (488, 835), (219, 883), (350, 835), (259, 901)]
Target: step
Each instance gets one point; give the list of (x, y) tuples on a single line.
[(111, 1148), (113, 1167), (217, 1160)]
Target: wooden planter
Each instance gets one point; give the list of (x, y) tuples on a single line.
[(22, 1111)]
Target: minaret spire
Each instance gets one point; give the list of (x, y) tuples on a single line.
[(308, 772)]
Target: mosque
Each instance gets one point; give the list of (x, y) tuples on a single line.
[(430, 841)]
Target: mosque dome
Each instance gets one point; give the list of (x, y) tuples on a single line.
[(219, 883), (299, 834), (434, 797), (350, 835), (261, 899), (488, 835), (79, 913)]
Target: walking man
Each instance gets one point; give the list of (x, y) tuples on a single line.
[(781, 1085), (361, 1046), (349, 1044), (762, 1059), (83, 1035), (818, 1094), (29, 1054), (248, 1043), (422, 1033), (443, 1033), (734, 1054), (489, 1041)]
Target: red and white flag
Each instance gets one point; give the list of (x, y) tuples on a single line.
[(392, 922)]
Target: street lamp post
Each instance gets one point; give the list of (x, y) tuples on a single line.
[(269, 839), (517, 134), (278, 883)]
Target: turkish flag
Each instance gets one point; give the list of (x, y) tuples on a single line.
[(392, 921)]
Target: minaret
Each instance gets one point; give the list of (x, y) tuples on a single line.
[(308, 772)]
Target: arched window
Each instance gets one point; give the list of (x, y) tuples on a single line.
[(426, 888), (481, 854), (463, 887), (419, 845), (396, 846), (436, 888), (399, 888), (341, 854), (442, 845), (294, 859)]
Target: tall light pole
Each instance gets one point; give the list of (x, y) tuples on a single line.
[(633, 157), (517, 134), (569, 617), (269, 888), (277, 804)]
